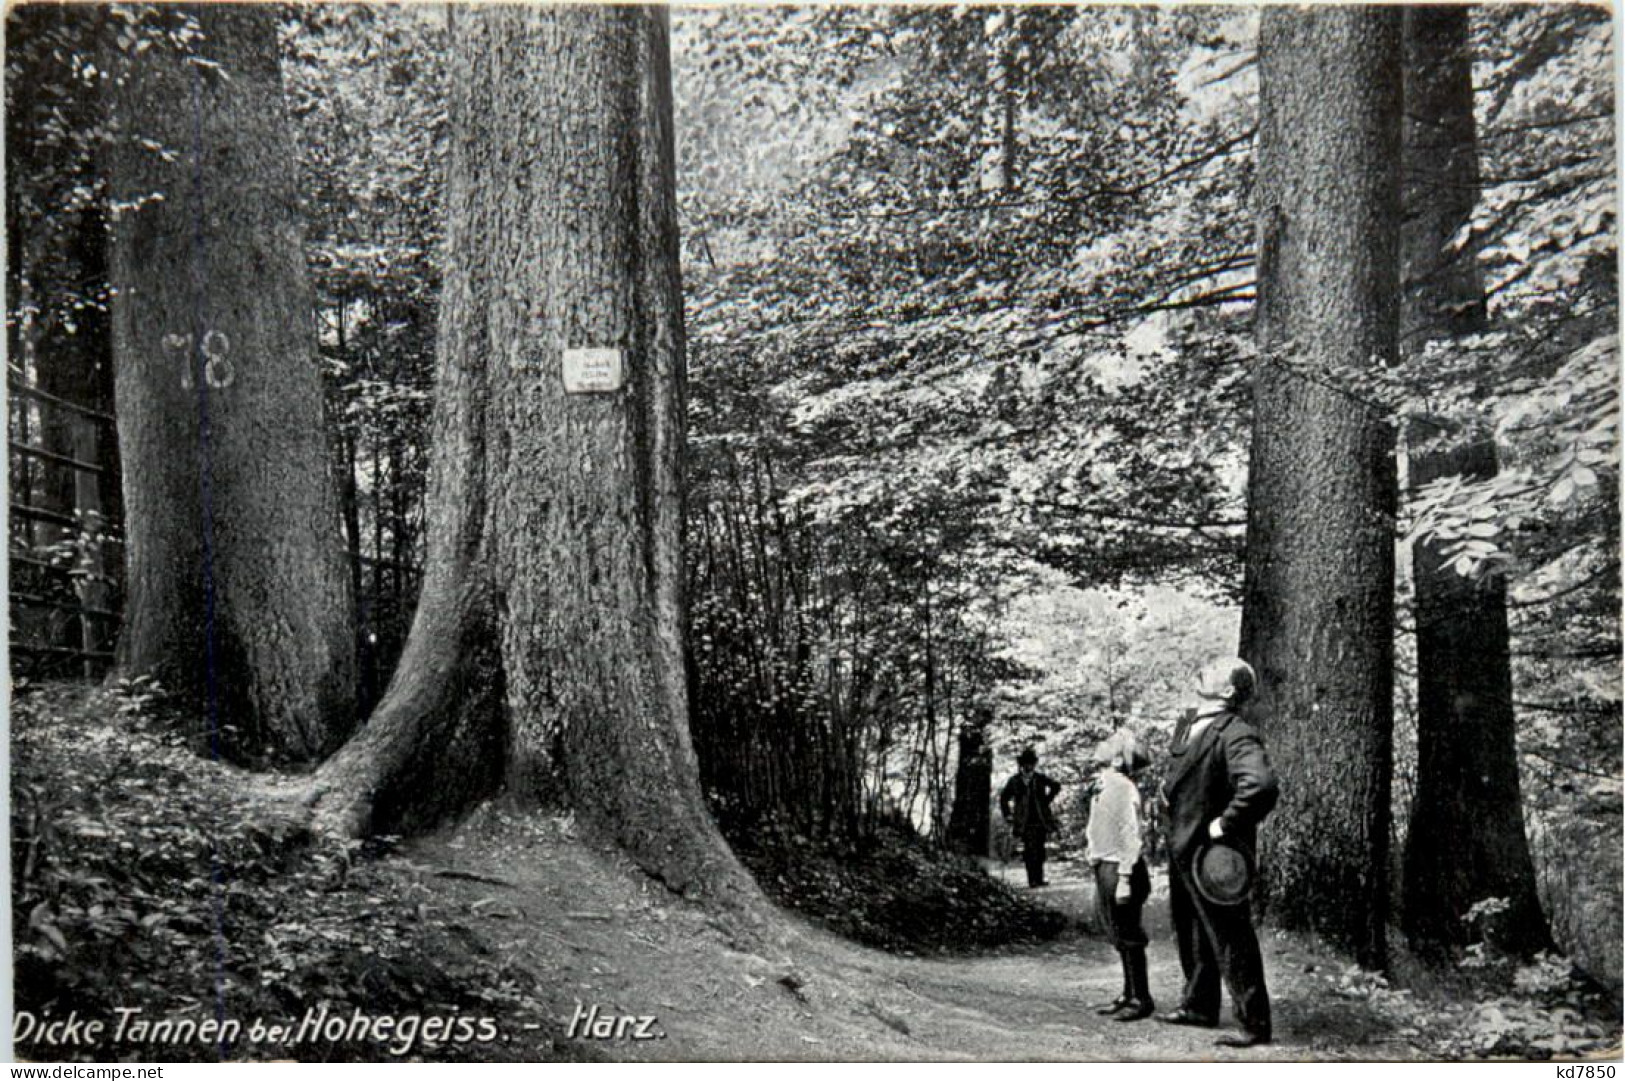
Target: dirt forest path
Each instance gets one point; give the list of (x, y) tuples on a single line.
[(157, 879), (595, 933)]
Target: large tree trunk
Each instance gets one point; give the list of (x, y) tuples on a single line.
[(1318, 615), (1466, 843), (547, 652), (237, 588)]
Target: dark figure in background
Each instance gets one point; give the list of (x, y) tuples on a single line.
[(1122, 882), (1025, 804), (1219, 785)]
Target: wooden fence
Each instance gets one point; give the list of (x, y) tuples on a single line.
[(67, 550), (66, 535)]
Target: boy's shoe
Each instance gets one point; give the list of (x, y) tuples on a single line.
[(1134, 1010)]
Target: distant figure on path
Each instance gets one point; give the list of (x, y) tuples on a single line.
[(1122, 882), (1219, 787), (1024, 803)]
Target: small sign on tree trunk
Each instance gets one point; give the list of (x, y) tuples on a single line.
[(588, 371)]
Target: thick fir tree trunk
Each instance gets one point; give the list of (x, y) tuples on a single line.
[(1466, 843), (238, 594), (547, 654), (1318, 614)]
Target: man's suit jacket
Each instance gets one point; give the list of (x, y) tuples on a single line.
[(1017, 799), (1223, 773)]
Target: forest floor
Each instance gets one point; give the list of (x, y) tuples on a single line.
[(143, 878)]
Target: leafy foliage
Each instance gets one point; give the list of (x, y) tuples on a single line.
[(1550, 1013), (895, 418), (366, 89), (972, 281)]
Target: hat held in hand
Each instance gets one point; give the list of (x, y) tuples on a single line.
[(1223, 872)]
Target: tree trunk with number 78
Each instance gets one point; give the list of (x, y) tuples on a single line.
[(238, 593)]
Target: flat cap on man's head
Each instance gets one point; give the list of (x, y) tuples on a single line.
[(1027, 757)]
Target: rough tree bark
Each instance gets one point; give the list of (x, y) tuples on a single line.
[(1318, 612), (547, 653), (1466, 843), (238, 593)]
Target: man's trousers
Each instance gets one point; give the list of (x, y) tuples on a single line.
[(1217, 943), (1032, 853)]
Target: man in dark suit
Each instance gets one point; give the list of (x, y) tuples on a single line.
[(1024, 803), (1219, 785)]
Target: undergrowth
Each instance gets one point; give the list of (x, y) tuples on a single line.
[(1539, 1010), (143, 881), (894, 891)]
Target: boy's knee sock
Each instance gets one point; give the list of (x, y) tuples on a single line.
[(1139, 974), (1128, 986)]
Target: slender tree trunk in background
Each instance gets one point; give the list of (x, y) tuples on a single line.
[(377, 517), (27, 247), (76, 366), (970, 822), (350, 513), (996, 171), (1318, 614), (397, 521), (21, 340), (96, 328), (343, 450), (548, 647), (238, 591), (1466, 843)]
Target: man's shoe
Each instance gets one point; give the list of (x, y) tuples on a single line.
[(1183, 1016), (1109, 1008), (1134, 1010), (1246, 1039)]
